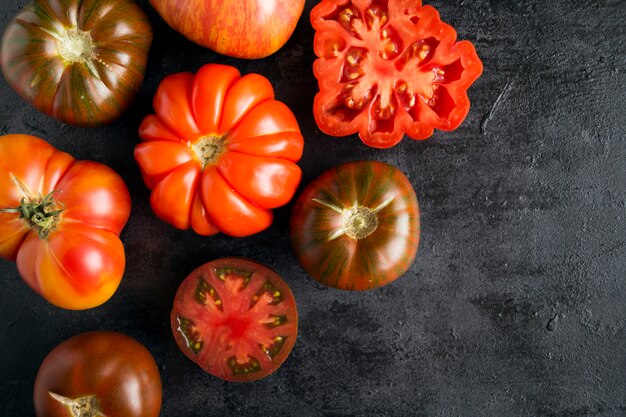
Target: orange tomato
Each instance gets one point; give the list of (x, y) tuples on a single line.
[(60, 219), (239, 28), (220, 153)]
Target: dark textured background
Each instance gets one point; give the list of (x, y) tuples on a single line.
[(516, 305)]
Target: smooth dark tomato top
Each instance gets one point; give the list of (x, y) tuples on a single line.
[(98, 374)]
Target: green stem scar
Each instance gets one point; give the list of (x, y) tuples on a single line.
[(41, 214), (75, 45), (357, 222)]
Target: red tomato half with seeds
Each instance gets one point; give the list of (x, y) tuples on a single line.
[(236, 319), (98, 374), (386, 68), (356, 227), (220, 153)]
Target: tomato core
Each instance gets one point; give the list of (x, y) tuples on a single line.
[(87, 406), (75, 45), (209, 149), (358, 222), (41, 214)]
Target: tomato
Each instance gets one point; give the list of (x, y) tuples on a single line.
[(389, 68), (79, 61), (60, 219), (238, 28), (220, 153), (356, 227), (98, 374), (235, 318)]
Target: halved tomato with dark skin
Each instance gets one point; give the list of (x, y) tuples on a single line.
[(98, 374), (356, 227), (235, 318)]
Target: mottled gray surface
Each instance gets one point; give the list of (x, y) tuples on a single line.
[(516, 303)]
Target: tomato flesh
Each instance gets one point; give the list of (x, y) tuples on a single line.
[(235, 318), (386, 68)]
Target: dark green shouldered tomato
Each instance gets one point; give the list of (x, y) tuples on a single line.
[(79, 61), (235, 318), (356, 227)]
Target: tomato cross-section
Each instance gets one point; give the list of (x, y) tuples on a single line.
[(235, 318), (389, 67)]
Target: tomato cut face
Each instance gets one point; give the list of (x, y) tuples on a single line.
[(235, 318), (389, 67), (356, 227)]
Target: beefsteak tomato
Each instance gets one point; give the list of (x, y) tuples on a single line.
[(236, 319), (98, 374), (386, 68), (79, 61), (60, 219), (220, 153), (238, 28), (356, 227)]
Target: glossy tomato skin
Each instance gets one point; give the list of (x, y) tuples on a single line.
[(119, 371), (356, 248), (80, 262), (389, 69), (236, 319), (79, 61), (240, 28), (220, 153)]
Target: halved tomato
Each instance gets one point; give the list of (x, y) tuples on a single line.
[(235, 318)]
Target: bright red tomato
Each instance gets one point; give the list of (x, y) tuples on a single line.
[(98, 374), (236, 319), (389, 68), (239, 28), (356, 227), (79, 61), (60, 219), (220, 153)]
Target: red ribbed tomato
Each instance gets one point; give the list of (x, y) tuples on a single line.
[(98, 374), (239, 28), (79, 61), (60, 219), (236, 319), (387, 68), (220, 153), (356, 227)]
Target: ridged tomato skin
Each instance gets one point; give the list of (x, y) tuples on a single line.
[(86, 89), (119, 371), (328, 247), (78, 262), (239, 28), (220, 153), (233, 313)]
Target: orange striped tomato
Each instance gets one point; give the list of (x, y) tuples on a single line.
[(60, 219), (220, 153), (79, 61), (356, 227), (239, 28)]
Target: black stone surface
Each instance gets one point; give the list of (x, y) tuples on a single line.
[(516, 303)]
